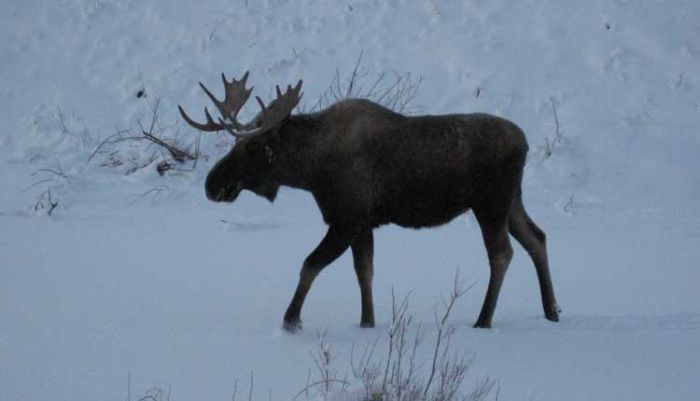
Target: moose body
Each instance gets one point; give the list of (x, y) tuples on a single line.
[(367, 166)]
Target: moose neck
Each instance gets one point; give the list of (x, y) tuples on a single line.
[(295, 154)]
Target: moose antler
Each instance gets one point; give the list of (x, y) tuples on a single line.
[(279, 110), (235, 97)]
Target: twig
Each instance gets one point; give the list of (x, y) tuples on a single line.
[(482, 389), (235, 390), (549, 146), (569, 206), (365, 370), (50, 204), (35, 184), (58, 172), (250, 391), (317, 383), (60, 122), (308, 380), (556, 116), (157, 190), (106, 141), (457, 291), (353, 76), (396, 95), (177, 154)]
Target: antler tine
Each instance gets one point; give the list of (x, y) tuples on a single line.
[(282, 106), (236, 95), (232, 102), (210, 125), (236, 90), (263, 109), (243, 79)]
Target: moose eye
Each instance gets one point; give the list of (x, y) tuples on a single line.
[(253, 148)]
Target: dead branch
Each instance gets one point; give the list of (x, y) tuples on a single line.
[(458, 290), (170, 152), (250, 390), (157, 190), (318, 383), (178, 154), (44, 202), (35, 184), (549, 145), (107, 141)]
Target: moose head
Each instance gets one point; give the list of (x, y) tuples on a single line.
[(248, 164)]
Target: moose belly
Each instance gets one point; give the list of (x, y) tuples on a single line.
[(417, 209)]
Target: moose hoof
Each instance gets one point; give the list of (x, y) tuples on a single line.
[(553, 314), (482, 325), (292, 326), (552, 317), (367, 325)]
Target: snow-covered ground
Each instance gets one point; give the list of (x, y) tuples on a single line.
[(137, 281)]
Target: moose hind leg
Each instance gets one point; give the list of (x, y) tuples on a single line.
[(363, 253), (336, 241), (533, 239), (500, 253)]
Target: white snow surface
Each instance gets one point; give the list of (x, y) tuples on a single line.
[(136, 281)]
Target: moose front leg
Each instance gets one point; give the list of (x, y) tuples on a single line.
[(337, 240), (363, 253)]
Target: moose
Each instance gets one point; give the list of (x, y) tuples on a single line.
[(368, 166)]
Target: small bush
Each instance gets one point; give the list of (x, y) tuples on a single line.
[(400, 375), (396, 91)]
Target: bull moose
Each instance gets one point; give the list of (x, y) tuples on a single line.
[(367, 166)]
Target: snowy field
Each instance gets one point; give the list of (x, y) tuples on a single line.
[(135, 281)]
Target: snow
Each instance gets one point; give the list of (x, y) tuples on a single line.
[(136, 281)]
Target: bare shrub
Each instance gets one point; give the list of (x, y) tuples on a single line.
[(51, 179), (400, 375), (167, 150), (396, 91), (328, 377), (70, 126)]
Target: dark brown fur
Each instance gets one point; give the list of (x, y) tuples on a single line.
[(367, 166)]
